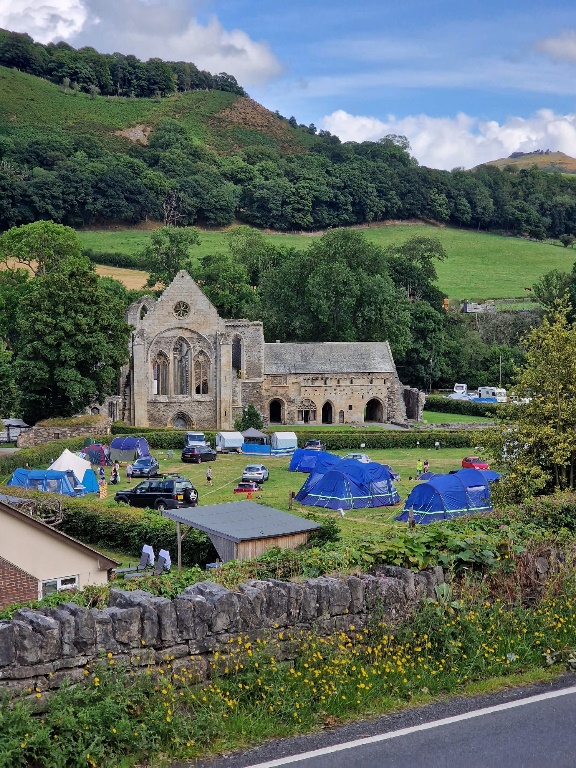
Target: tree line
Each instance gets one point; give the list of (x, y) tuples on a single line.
[(113, 74)]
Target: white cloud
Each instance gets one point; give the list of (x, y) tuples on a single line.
[(146, 28), (559, 48), (463, 140), (44, 21)]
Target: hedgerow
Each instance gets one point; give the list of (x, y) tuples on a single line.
[(114, 259), (464, 407)]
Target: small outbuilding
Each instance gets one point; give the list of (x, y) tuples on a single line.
[(240, 530)]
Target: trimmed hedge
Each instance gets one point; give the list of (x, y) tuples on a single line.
[(336, 441), (118, 526), (464, 407), (126, 260)]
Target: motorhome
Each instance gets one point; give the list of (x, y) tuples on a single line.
[(492, 393)]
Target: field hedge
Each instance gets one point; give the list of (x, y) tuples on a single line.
[(464, 407), (118, 526), (114, 259)]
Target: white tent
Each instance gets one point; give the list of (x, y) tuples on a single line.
[(229, 441), (284, 442), (69, 460)]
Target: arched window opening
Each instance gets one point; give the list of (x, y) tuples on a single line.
[(307, 411), (181, 367), (113, 410), (143, 311), (201, 373), (237, 355), (181, 421), (341, 417), (275, 410), (160, 375)]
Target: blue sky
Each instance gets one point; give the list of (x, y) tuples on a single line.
[(466, 82)]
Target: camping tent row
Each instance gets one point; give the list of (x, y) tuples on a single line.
[(69, 475), (337, 483), (443, 497)]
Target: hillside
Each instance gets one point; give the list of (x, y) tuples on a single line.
[(544, 161), (221, 121)]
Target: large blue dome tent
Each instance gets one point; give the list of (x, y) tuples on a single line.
[(305, 459), (443, 497), (48, 480), (348, 484), (128, 448)]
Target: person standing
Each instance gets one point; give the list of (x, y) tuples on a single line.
[(419, 468), (425, 466), (128, 472), (209, 475)]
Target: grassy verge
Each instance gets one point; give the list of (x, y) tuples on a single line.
[(435, 417), (117, 717)]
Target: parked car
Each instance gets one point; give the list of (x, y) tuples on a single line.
[(145, 466), (197, 453), (255, 472), (473, 462), (247, 487), (169, 492), (315, 445), (359, 457)]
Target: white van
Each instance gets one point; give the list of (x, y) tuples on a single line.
[(497, 393), (195, 438)]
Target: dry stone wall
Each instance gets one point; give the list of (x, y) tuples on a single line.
[(39, 649), (40, 435)]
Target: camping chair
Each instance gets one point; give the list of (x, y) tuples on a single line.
[(159, 569), (146, 560)]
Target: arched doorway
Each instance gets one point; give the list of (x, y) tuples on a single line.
[(327, 413), (181, 421), (374, 411), (275, 411)]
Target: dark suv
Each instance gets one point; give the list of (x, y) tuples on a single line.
[(163, 493), (198, 453)]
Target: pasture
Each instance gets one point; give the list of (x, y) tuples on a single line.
[(478, 265)]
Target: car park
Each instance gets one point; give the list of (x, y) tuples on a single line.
[(198, 453), (145, 466), (168, 492), (257, 473), (358, 457), (315, 445), (247, 487), (473, 462)]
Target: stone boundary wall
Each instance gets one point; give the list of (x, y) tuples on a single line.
[(40, 435), (39, 649)]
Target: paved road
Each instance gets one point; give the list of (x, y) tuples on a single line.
[(523, 728)]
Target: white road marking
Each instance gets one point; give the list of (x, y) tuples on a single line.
[(413, 729)]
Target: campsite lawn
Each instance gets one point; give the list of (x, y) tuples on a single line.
[(438, 417), (478, 265), (227, 469)]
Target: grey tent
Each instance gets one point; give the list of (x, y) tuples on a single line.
[(254, 436)]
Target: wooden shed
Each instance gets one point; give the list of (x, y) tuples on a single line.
[(241, 530)]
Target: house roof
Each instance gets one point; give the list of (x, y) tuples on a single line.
[(329, 357), (241, 520), (105, 563)]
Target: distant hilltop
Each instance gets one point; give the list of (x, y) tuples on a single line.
[(542, 159)]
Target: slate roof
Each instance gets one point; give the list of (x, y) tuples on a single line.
[(328, 357), (241, 520)]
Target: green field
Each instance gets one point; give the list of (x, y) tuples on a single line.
[(478, 265)]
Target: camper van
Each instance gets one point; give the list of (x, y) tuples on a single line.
[(492, 393), (195, 438), (460, 389)]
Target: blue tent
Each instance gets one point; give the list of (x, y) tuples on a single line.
[(49, 480), (128, 448), (348, 484), (443, 497), (305, 460)]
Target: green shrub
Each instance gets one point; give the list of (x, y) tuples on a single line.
[(115, 259), (382, 439), (464, 407)]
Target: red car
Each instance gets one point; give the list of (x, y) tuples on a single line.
[(248, 487), (473, 462)]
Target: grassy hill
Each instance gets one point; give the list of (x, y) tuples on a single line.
[(222, 121), (478, 265), (544, 161)]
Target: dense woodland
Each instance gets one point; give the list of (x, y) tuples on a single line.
[(78, 178)]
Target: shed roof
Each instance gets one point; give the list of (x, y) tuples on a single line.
[(241, 520), (329, 357)]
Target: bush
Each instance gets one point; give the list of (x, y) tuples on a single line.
[(463, 407), (374, 440), (126, 260)]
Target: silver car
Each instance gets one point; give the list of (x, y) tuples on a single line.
[(255, 472)]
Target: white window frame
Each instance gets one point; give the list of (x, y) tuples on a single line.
[(61, 584)]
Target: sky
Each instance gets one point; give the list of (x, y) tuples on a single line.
[(466, 81)]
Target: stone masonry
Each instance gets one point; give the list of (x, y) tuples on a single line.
[(39, 649)]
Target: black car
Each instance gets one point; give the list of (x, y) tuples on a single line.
[(145, 466), (162, 493), (198, 453)]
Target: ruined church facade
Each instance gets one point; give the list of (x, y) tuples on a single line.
[(191, 369)]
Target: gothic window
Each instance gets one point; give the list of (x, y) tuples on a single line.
[(201, 373), (160, 375), (237, 354), (181, 367), (307, 411)]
